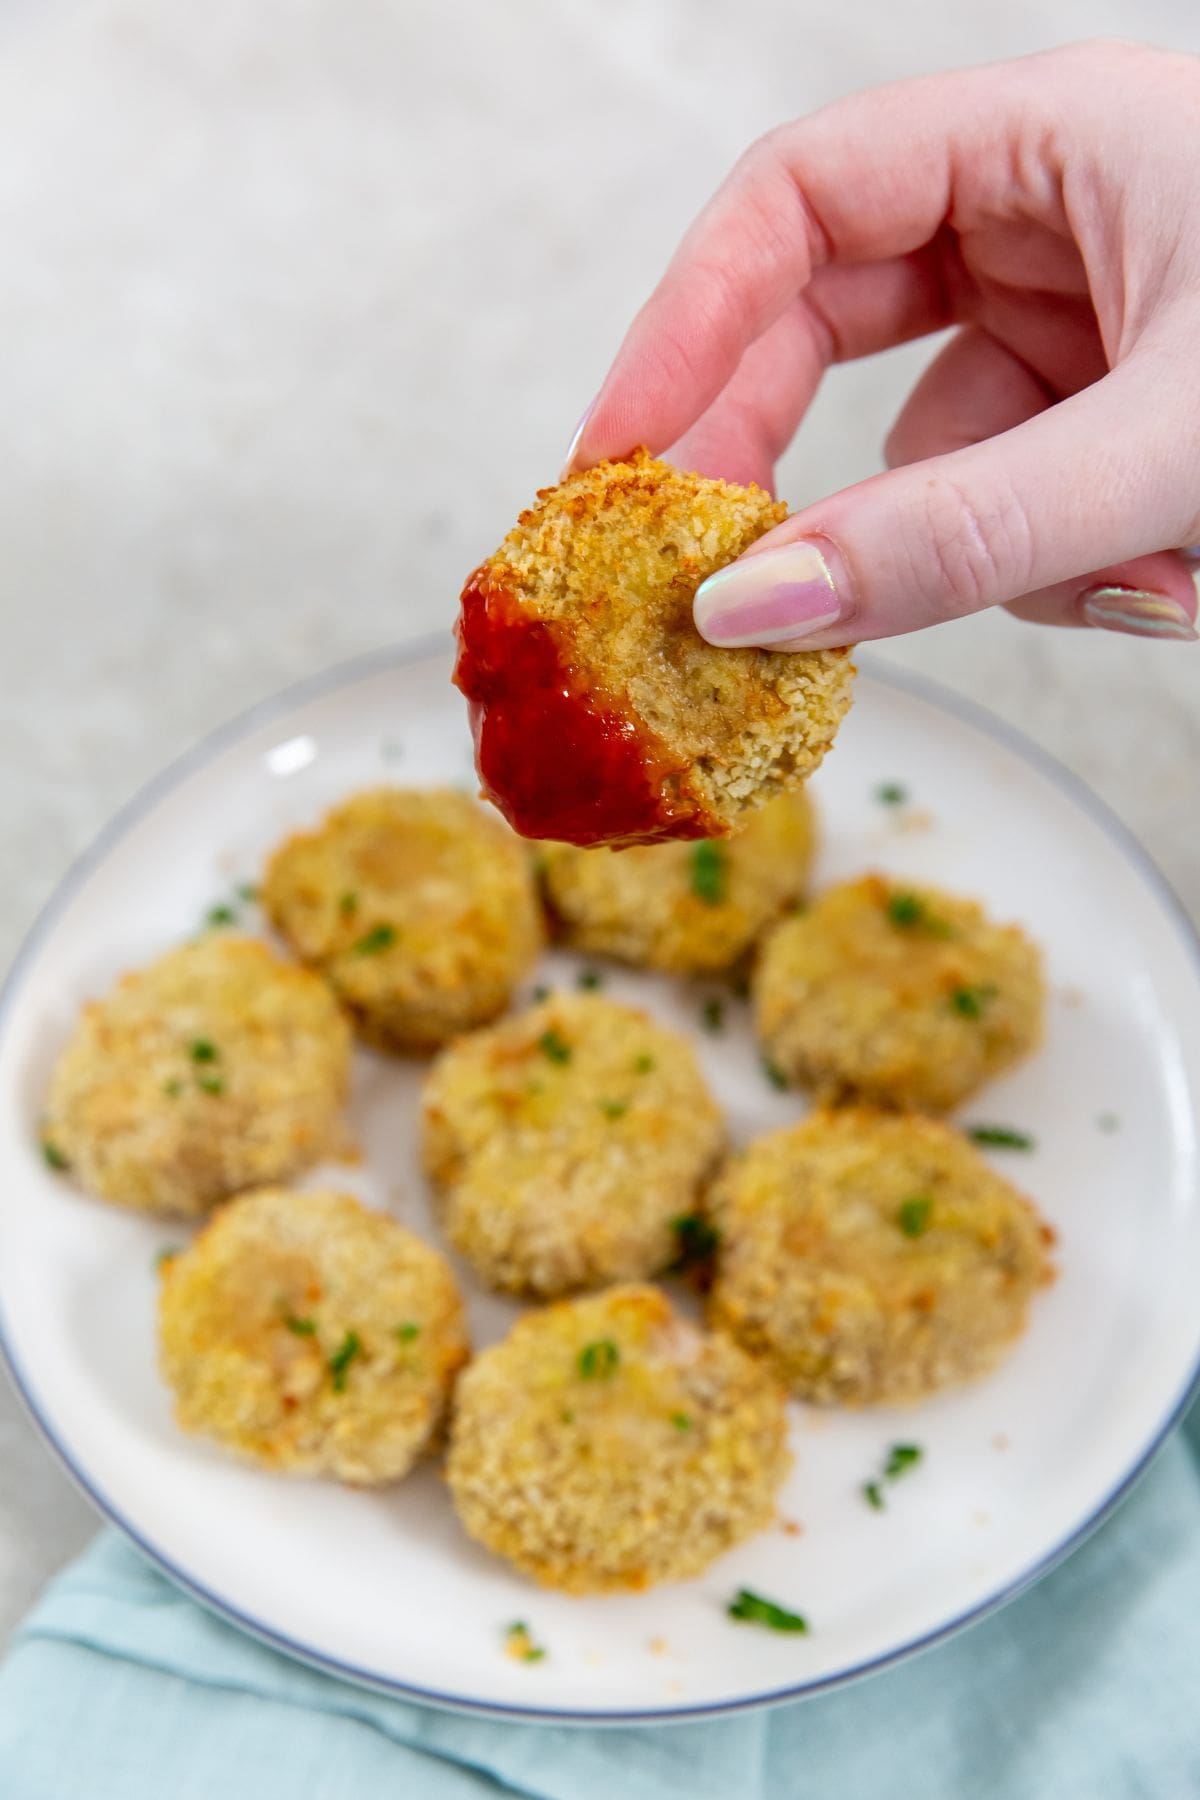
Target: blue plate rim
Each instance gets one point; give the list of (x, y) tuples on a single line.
[(417, 649)]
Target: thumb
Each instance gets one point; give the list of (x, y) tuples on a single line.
[(1095, 480)]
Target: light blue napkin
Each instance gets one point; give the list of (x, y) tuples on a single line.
[(119, 1688)]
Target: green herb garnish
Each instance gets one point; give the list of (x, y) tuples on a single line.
[(1000, 1137), (890, 793), (909, 912), (913, 1216), (520, 1644), (341, 1359), (681, 1421), (643, 1064), (348, 904), (598, 1360), (220, 915), (173, 1089), (300, 1327), (901, 1458), (210, 1084), (589, 980), (408, 1331), (709, 872), (554, 1046), (774, 1073), (873, 1495), (201, 1050), (540, 994), (167, 1254), (696, 1241), (614, 1109), (53, 1155), (380, 937), (970, 1001), (248, 892), (754, 1610), (713, 1013)]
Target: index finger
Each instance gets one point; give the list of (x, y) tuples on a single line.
[(865, 179)]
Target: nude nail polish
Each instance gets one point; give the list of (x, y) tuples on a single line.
[(773, 600), (1138, 612)]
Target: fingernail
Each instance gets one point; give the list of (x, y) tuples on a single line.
[(1138, 612), (573, 446), (775, 599)]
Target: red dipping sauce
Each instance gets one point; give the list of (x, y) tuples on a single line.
[(557, 757)]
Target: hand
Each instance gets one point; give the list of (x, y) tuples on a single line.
[(1050, 208)]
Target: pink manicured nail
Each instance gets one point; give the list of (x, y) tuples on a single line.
[(573, 446), (775, 600), (1138, 612)]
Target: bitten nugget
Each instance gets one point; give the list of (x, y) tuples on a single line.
[(568, 1142), (872, 1257), (600, 714), (312, 1334), (905, 996), (606, 1443), (418, 906), (686, 908), (215, 1068)]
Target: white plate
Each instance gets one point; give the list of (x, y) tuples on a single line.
[(385, 1587)]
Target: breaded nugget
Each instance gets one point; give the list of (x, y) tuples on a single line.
[(600, 714), (687, 908), (872, 1257), (418, 906), (902, 995), (312, 1334), (567, 1142), (607, 1443), (215, 1068)]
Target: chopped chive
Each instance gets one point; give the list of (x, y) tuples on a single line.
[(210, 1084), (890, 793), (774, 1073), (341, 1359), (300, 1327), (247, 891), (408, 1331), (567, 1416), (348, 904), (53, 1155), (173, 1089), (1000, 1137), (909, 912), (901, 1458), (913, 1216), (201, 1050), (220, 915), (589, 980), (970, 1001), (614, 1109), (380, 937), (709, 872), (554, 1046), (696, 1240), (643, 1064), (520, 1644), (681, 1421), (753, 1609), (713, 1013), (873, 1495), (598, 1360)]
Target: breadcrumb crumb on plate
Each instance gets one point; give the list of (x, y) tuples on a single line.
[(601, 716)]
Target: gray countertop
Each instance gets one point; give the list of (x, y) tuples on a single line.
[(299, 303)]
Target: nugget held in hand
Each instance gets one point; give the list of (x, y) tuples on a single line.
[(215, 1068), (600, 714), (691, 909), (607, 1444), (312, 1334), (418, 906), (872, 1257), (570, 1144), (901, 995)]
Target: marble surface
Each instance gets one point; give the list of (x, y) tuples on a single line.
[(299, 302)]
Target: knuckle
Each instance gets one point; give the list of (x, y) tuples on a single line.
[(981, 552)]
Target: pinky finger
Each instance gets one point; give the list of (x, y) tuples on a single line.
[(1150, 597)]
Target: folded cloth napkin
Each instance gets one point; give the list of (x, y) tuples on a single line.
[(119, 1688)]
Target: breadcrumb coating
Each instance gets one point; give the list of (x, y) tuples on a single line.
[(312, 1334), (215, 1068), (901, 995), (601, 715), (417, 905), (566, 1142), (689, 909), (608, 1444), (872, 1257)]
